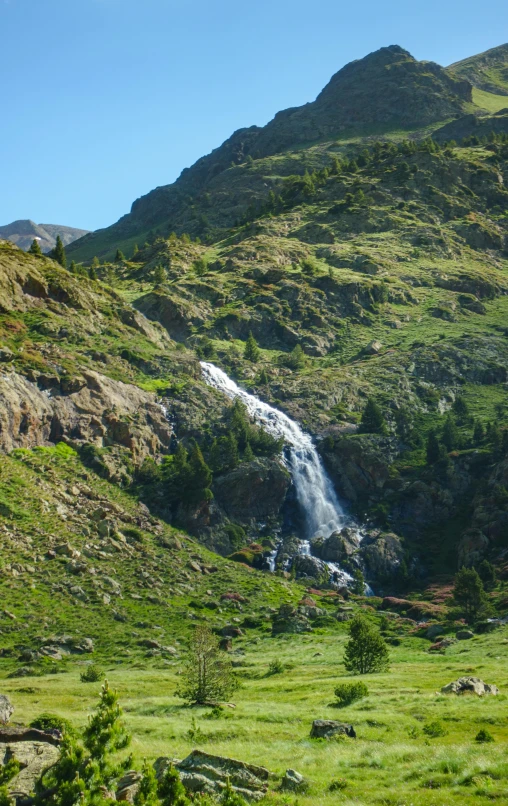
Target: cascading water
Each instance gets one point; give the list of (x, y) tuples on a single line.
[(314, 491)]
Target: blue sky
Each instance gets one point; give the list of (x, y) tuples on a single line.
[(103, 100)]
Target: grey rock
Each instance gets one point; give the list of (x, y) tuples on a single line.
[(306, 566), (326, 728), (293, 781), (204, 772), (128, 786), (470, 685), (6, 709), (36, 752), (433, 631), (464, 635)]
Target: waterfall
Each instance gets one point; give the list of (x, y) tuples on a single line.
[(314, 490)]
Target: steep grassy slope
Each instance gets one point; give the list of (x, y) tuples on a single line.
[(487, 71)]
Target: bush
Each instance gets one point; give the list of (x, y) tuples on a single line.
[(275, 667), (5, 798), (48, 722), (9, 771), (348, 693), (434, 729), (484, 736), (337, 785), (92, 674)]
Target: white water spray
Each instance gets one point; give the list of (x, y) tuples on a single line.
[(314, 491)]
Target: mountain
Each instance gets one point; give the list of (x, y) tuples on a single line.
[(23, 232), (487, 71), (388, 90), (358, 283)]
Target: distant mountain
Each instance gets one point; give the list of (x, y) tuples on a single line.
[(23, 232), (487, 71)]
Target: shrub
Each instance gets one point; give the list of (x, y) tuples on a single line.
[(434, 729), (9, 771), (337, 785), (275, 667), (92, 674), (484, 736), (171, 790), (348, 693), (48, 722), (5, 798)]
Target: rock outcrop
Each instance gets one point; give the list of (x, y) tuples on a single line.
[(35, 750), (6, 709), (470, 685), (252, 490), (204, 772)]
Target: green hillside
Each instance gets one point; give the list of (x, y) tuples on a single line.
[(347, 264)]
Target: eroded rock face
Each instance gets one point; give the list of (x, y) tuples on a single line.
[(306, 566), (382, 555), (204, 772), (98, 410), (252, 490), (470, 685), (338, 547), (36, 752)]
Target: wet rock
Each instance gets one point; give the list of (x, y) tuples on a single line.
[(306, 566), (327, 728), (470, 685), (382, 555), (338, 547), (6, 709), (204, 772)]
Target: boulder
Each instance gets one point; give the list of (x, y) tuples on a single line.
[(327, 728), (464, 635), (470, 685), (338, 547), (204, 772), (289, 620), (293, 781), (433, 631), (6, 709), (252, 490), (306, 566), (36, 752), (128, 786), (382, 555)]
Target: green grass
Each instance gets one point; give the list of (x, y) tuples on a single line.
[(487, 100), (392, 761)]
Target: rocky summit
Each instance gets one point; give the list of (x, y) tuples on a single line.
[(254, 466)]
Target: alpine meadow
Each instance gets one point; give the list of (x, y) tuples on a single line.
[(254, 466)]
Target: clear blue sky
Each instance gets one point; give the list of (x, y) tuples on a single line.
[(103, 100)]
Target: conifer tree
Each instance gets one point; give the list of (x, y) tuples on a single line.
[(373, 421), (119, 256), (478, 433), (135, 250), (433, 450), (208, 674), (171, 790), (73, 267), (160, 276), (35, 248), (450, 436), (92, 273), (366, 651), (468, 592), (296, 359), (251, 351), (248, 454), (96, 262), (58, 252)]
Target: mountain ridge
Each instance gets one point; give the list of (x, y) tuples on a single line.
[(23, 231)]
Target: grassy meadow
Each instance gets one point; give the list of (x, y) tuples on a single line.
[(414, 745)]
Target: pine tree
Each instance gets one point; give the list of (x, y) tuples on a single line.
[(487, 574), (358, 585), (35, 248), (119, 256), (248, 454), (468, 592), (197, 487), (147, 792), (372, 421), (433, 448), (251, 351), (92, 273), (73, 267), (160, 276), (58, 252), (478, 433), (296, 359), (366, 650), (135, 250), (171, 790), (450, 436), (96, 262), (461, 409), (208, 674)]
